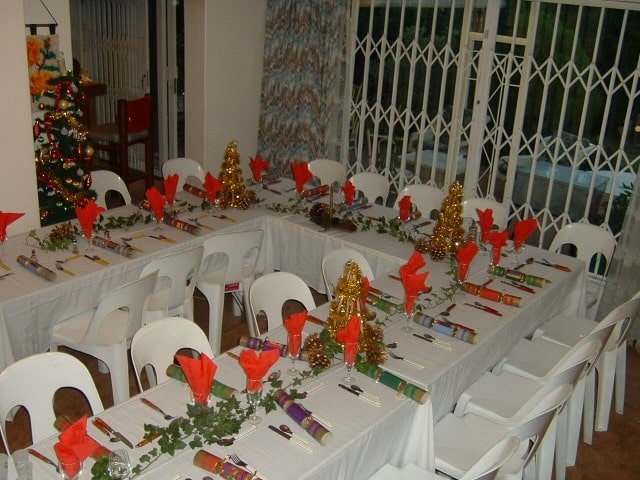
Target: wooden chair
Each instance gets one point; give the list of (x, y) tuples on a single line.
[(133, 125)]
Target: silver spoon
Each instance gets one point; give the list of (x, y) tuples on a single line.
[(286, 429), (273, 376)]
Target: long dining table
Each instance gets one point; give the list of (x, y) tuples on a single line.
[(364, 436)]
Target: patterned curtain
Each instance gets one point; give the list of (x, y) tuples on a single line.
[(301, 83)]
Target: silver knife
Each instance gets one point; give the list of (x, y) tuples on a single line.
[(104, 426), (293, 440)]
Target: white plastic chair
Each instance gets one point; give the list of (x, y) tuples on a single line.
[(106, 331), (229, 264), (177, 274), (484, 469), (269, 293), (185, 168), (611, 365), (32, 383), (589, 240), (500, 213), (155, 345), (459, 442), (372, 186), (425, 197), (333, 268), (103, 181), (328, 171)]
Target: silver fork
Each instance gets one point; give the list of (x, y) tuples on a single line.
[(398, 357), (241, 463)]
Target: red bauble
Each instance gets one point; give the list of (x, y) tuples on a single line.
[(86, 181)]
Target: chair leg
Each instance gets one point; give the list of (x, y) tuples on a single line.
[(606, 377), (574, 412), (621, 377), (588, 409)]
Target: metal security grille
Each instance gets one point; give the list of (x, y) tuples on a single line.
[(533, 104), (115, 51)]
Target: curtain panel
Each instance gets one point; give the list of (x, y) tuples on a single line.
[(303, 56)]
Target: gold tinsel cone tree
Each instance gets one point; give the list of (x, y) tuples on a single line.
[(448, 233), (234, 192)]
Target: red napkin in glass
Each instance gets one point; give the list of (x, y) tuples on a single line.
[(405, 207), (350, 335), (75, 445), (497, 241), (294, 325), (485, 220), (170, 187), (464, 256), (7, 218), (522, 230), (213, 186), (256, 366), (199, 373), (415, 263), (301, 174), (413, 282), (156, 201), (87, 215), (349, 191), (257, 164)]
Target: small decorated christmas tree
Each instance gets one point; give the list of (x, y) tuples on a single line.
[(448, 233), (234, 192), (61, 147)]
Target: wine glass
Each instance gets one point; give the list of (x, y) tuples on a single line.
[(494, 261), (254, 394), (409, 304), (294, 342), (463, 272), (119, 465), (70, 469), (87, 233), (158, 214), (518, 249), (349, 359), (201, 398)]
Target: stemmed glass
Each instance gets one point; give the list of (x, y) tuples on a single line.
[(517, 253), (463, 271), (494, 261), (409, 304), (294, 343), (349, 360), (119, 465), (87, 233), (254, 394), (158, 214), (70, 469)]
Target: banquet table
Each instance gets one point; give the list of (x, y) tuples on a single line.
[(397, 432)]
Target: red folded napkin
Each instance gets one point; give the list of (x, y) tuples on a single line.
[(213, 186), (257, 164), (497, 241), (7, 218), (366, 287), (170, 187), (199, 373), (301, 174), (294, 325), (350, 335), (522, 230), (416, 262), (485, 220), (75, 446), (405, 207), (87, 215), (349, 191), (413, 282), (464, 256), (256, 366)]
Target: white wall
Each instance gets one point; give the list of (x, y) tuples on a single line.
[(223, 78)]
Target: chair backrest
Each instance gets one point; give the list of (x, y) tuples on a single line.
[(185, 168), (425, 197), (32, 383), (588, 240), (137, 112), (487, 466), (328, 171), (500, 213), (133, 297), (333, 267), (103, 181), (156, 344), (181, 269), (270, 292), (621, 319), (372, 185)]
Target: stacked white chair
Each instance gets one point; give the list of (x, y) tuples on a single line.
[(333, 268), (229, 265), (372, 185), (484, 469), (32, 383), (186, 168), (155, 346), (500, 213), (180, 270), (104, 181), (106, 331), (269, 293), (589, 241), (425, 197), (328, 171), (611, 365)]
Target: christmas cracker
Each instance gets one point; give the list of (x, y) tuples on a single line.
[(181, 225), (113, 246), (302, 417), (193, 190), (36, 268), (394, 382), (445, 327), (518, 276), (256, 343), (214, 464), (493, 295), (218, 389)]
